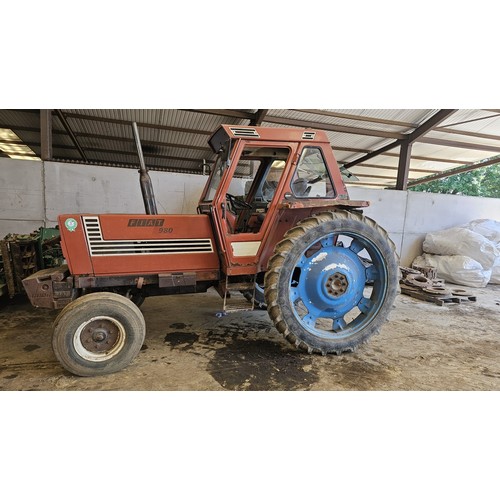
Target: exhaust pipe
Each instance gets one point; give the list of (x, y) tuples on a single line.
[(146, 185)]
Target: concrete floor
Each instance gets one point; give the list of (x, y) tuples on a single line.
[(423, 347)]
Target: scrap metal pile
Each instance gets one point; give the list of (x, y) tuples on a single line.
[(422, 283), (24, 254)]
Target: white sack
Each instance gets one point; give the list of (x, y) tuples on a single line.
[(461, 241), (495, 271), (458, 269), (489, 228)]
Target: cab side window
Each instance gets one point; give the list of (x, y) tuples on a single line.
[(311, 179)]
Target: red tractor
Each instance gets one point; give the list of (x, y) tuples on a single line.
[(274, 222)]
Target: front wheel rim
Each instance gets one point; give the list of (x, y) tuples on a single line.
[(328, 290), (99, 339)]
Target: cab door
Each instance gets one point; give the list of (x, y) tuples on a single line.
[(244, 206)]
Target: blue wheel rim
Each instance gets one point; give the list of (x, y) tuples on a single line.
[(329, 288)]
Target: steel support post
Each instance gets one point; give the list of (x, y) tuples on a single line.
[(46, 133), (403, 166)]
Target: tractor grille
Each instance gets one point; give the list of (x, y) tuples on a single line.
[(98, 246)]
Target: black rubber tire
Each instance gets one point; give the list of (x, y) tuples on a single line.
[(136, 297), (77, 313), (281, 266), (134, 294), (259, 299)]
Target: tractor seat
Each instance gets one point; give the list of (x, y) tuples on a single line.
[(300, 187)]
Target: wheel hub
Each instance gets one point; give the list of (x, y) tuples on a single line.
[(336, 285), (100, 336), (332, 281)]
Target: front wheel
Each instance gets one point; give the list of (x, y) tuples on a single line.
[(323, 294), (98, 334)]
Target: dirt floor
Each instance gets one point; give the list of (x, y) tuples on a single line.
[(422, 347)]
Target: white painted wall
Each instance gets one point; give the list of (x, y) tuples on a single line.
[(21, 196), (73, 188), (408, 215), (32, 194)]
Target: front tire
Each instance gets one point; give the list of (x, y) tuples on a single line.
[(98, 334), (317, 286)]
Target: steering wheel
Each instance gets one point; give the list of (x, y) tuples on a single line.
[(238, 204)]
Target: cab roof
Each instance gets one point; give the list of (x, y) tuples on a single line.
[(225, 132)]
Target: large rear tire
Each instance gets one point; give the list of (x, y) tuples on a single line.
[(321, 295), (98, 334)]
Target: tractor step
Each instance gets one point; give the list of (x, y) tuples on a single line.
[(237, 304), (233, 300), (240, 286)]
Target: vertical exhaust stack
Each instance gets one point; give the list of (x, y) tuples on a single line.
[(145, 181)]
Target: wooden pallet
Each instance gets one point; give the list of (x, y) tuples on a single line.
[(437, 299)]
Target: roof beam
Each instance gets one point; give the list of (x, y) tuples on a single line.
[(161, 168), (259, 117), (143, 142), (465, 132), (350, 150), (139, 124), (429, 124), (147, 155), (369, 119), (121, 151), (386, 167), (31, 129), (457, 144), (356, 183), (107, 150), (374, 176), (455, 171), (372, 154), (66, 126), (428, 158), (229, 113), (332, 128), (396, 155), (471, 120), (164, 144)]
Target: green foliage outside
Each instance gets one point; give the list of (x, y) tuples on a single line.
[(481, 182)]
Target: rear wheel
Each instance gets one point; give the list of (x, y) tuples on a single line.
[(97, 334), (322, 293)]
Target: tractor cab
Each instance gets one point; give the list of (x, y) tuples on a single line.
[(258, 173)]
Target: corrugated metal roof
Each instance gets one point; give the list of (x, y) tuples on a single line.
[(176, 139), (412, 117)]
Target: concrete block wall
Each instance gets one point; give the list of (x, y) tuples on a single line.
[(33, 193)]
